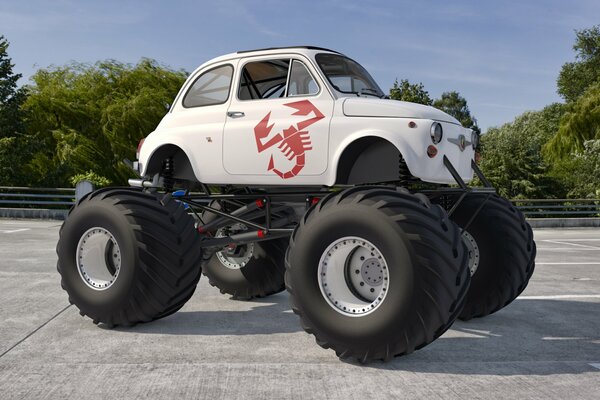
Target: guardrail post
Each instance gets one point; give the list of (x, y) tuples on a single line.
[(82, 188)]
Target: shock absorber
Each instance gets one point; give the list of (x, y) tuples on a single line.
[(404, 175), (168, 169)]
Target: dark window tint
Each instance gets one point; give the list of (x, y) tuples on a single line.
[(263, 79), (212, 87)]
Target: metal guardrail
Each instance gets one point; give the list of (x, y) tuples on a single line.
[(28, 197), (64, 198), (558, 208)]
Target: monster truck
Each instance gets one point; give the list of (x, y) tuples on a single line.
[(288, 168)]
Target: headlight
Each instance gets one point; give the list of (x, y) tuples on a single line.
[(475, 139), (436, 132)]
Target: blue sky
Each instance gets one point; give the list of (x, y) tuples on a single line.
[(503, 56)]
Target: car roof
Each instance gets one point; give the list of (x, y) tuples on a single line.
[(306, 50), (289, 47)]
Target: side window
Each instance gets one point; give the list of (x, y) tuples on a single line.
[(210, 88), (301, 81), (263, 79)]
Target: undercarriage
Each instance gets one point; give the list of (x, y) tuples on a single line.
[(247, 205)]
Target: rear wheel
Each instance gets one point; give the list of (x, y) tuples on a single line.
[(245, 271), (126, 256), (501, 253), (376, 273)]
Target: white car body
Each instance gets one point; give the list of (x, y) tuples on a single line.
[(223, 149)]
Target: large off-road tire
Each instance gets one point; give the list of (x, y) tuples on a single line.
[(376, 273), (255, 270), (502, 253), (126, 256)]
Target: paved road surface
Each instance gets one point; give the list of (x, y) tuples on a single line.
[(544, 345)]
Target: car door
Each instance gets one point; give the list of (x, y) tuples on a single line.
[(278, 119)]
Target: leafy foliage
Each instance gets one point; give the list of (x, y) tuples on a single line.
[(576, 77), (512, 158), (11, 97), (456, 105), (14, 148), (97, 180), (413, 92), (15, 153), (579, 174), (90, 117), (580, 124)]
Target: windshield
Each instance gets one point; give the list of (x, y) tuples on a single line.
[(347, 76)]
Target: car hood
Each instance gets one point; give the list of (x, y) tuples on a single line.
[(365, 107)]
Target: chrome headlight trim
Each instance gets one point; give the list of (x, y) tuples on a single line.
[(436, 132)]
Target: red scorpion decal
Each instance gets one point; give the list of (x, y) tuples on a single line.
[(294, 141)]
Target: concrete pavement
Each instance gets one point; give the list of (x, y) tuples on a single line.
[(544, 345)]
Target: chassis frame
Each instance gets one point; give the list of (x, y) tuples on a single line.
[(260, 205)]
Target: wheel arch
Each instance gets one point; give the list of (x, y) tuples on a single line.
[(184, 167), (371, 158)]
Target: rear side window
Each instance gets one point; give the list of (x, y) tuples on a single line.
[(210, 88), (271, 79), (264, 79)]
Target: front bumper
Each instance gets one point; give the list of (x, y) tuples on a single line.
[(455, 146)]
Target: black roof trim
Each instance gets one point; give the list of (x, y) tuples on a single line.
[(290, 47)]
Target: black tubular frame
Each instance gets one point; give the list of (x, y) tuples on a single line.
[(263, 201)]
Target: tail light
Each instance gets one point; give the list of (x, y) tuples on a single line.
[(137, 152)]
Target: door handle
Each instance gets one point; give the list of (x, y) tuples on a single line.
[(235, 114)]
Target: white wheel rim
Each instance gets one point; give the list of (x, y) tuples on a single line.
[(227, 258), (98, 258), (353, 276), (473, 250)]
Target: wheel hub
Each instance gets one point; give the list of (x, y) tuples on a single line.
[(98, 258), (353, 276), (235, 256), (473, 250)]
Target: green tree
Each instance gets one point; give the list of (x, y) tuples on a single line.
[(406, 91), (580, 124), (87, 118), (579, 173), (512, 158), (11, 97), (576, 77), (14, 147), (456, 105)]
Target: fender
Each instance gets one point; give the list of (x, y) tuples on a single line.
[(153, 143)]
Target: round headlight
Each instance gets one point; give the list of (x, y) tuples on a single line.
[(436, 132), (475, 139)]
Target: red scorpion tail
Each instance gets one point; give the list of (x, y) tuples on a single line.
[(292, 172)]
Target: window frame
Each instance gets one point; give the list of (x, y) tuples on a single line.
[(328, 80), (291, 59), (287, 85), (200, 75)]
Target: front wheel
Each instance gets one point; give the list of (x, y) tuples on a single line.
[(376, 273), (501, 252)]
